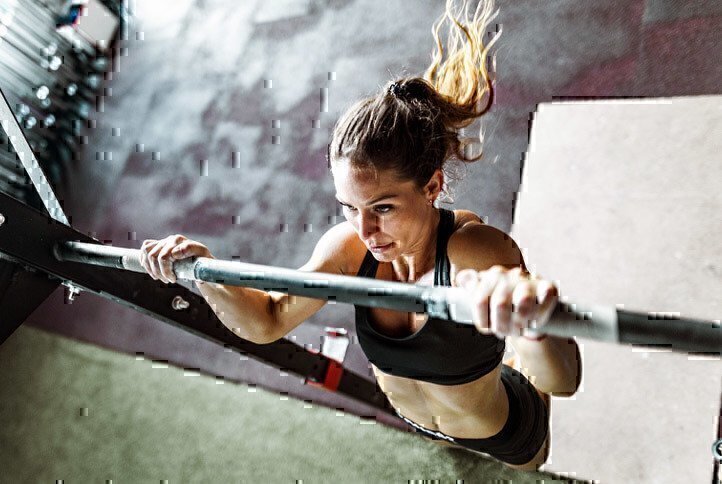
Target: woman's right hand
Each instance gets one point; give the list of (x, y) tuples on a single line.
[(157, 256)]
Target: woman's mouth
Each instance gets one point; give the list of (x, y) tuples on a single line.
[(380, 248)]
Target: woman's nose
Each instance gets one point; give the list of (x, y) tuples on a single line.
[(368, 225)]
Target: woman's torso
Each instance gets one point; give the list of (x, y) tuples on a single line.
[(475, 409)]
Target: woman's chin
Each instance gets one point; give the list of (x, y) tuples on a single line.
[(385, 256)]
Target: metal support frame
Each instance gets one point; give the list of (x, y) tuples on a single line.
[(22, 290)]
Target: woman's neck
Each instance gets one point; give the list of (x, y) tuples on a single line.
[(412, 266)]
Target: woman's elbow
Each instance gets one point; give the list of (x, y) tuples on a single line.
[(256, 334), (267, 339)]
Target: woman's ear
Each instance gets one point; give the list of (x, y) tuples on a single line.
[(434, 185)]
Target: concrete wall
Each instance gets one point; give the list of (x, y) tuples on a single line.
[(620, 205)]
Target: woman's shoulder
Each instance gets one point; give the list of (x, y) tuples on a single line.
[(341, 245), (476, 245), (463, 217)]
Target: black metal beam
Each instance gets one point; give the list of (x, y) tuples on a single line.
[(28, 237), (22, 290)]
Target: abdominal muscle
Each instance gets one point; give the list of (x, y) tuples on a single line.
[(473, 410)]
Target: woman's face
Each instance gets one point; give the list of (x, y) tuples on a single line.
[(391, 216)]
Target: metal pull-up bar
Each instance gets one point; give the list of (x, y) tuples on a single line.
[(602, 323)]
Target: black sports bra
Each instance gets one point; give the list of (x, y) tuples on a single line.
[(442, 351)]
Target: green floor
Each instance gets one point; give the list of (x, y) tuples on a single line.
[(78, 413)]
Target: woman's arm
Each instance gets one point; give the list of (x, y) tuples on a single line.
[(247, 312), (330, 256), (553, 363), (257, 316)]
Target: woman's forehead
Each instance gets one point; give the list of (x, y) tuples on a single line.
[(364, 182), (357, 173), (363, 176)]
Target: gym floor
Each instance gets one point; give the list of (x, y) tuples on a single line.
[(215, 121)]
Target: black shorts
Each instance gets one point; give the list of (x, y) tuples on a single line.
[(523, 433)]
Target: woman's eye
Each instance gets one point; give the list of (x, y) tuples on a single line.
[(379, 209)]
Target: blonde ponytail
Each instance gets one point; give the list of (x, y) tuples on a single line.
[(463, 77)]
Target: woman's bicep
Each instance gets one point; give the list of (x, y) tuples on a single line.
[(328, 257), (480, 247)]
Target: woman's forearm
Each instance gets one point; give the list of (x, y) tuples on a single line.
[(248, 312), (553, 364)]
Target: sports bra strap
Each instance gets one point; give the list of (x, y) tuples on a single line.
[(442, 272)]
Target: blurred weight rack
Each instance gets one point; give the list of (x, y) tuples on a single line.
[(54, 55)]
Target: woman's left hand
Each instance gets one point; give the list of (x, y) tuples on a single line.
[(508, 301)]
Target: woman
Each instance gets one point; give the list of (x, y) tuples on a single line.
[(388, 157)]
